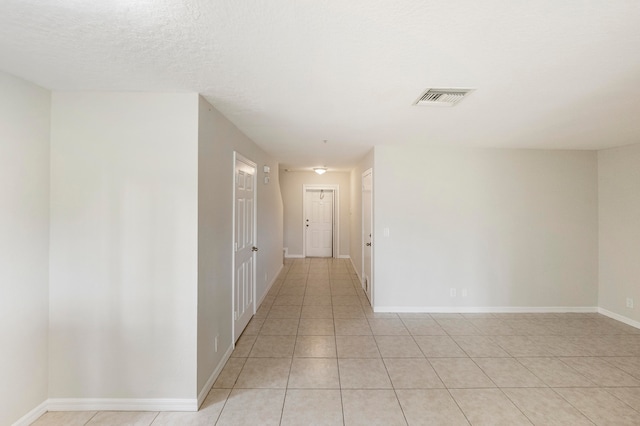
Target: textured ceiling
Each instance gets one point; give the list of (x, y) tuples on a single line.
[(291, 73)]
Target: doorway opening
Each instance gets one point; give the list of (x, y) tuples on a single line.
[(320, 225)]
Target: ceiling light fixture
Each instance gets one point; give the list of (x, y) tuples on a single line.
[(320, 170)]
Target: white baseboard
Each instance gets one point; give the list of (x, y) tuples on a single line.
[(484, 309), (266, 290), (356, 270), (122, 404), (344, 256), (619, 317), (207, 386), (32, 415), (294, 256)]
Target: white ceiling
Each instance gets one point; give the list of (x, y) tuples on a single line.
[(291, 73)]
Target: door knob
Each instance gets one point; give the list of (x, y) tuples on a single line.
[(368, 244), (254, 248)]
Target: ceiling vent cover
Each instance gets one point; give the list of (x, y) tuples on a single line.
[(443, 97)]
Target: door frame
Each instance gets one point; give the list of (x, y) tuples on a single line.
[(362, 232), (237, 156), (336, 216)]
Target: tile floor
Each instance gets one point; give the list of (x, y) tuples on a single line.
[(315, 353)]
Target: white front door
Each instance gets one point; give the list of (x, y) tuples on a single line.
[(244, 240), (367, 233), (319, 223)]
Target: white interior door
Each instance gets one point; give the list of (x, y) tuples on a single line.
[(319, 223), (244, 266), (367, 233)]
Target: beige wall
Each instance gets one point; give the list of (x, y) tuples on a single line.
[(218, 138), (291, 186), (619, 216), (24, 246), (124, 229), (515, 228)]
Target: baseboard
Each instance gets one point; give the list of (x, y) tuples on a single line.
[(207, 386), (294, 256), (355, 270), (484, 309), (344, 256), (122, 404), (32, 415), (619, 317), (266, 290)]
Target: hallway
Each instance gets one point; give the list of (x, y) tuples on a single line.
[(315, 353)]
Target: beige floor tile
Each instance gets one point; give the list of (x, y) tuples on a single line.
[(316, 311), (412, 373), (430, 407), (357, 347), (279, 327), (480, 347), (601, 372), (352, 327), (64, 418), (229, 374), (600, 406), (123, 418), (318, 290), (285, 312), (546, 407), (491, 327), (264, 373), (398, 347), (316, 327), (363, 373), (315, 347), (488, 407), (312, 407), (439, 347), (207, 414), (345, 300), (317, 299), (371, 407), (521, 346), (508, 373), (457, 326), (250, 407), (288, 300), (348, 311), (254, 326), (310, 373), (446, 315), (460, 373), (273, 347), (555, 373), (388, 327), (243, 346), (292, 290), (342, 290), (423, 327), (630, 365), (630, 396)]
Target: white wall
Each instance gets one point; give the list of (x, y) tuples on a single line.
[(218, 138), (355, 249), (516, 228), (291, 185), (619, 215), (24, 246), (124, 211)]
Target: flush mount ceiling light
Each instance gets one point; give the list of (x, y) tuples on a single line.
[(442, 97), (320, 170)]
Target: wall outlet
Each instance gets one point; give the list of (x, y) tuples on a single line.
[(452, 292), (629, 302), (465, 293)]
